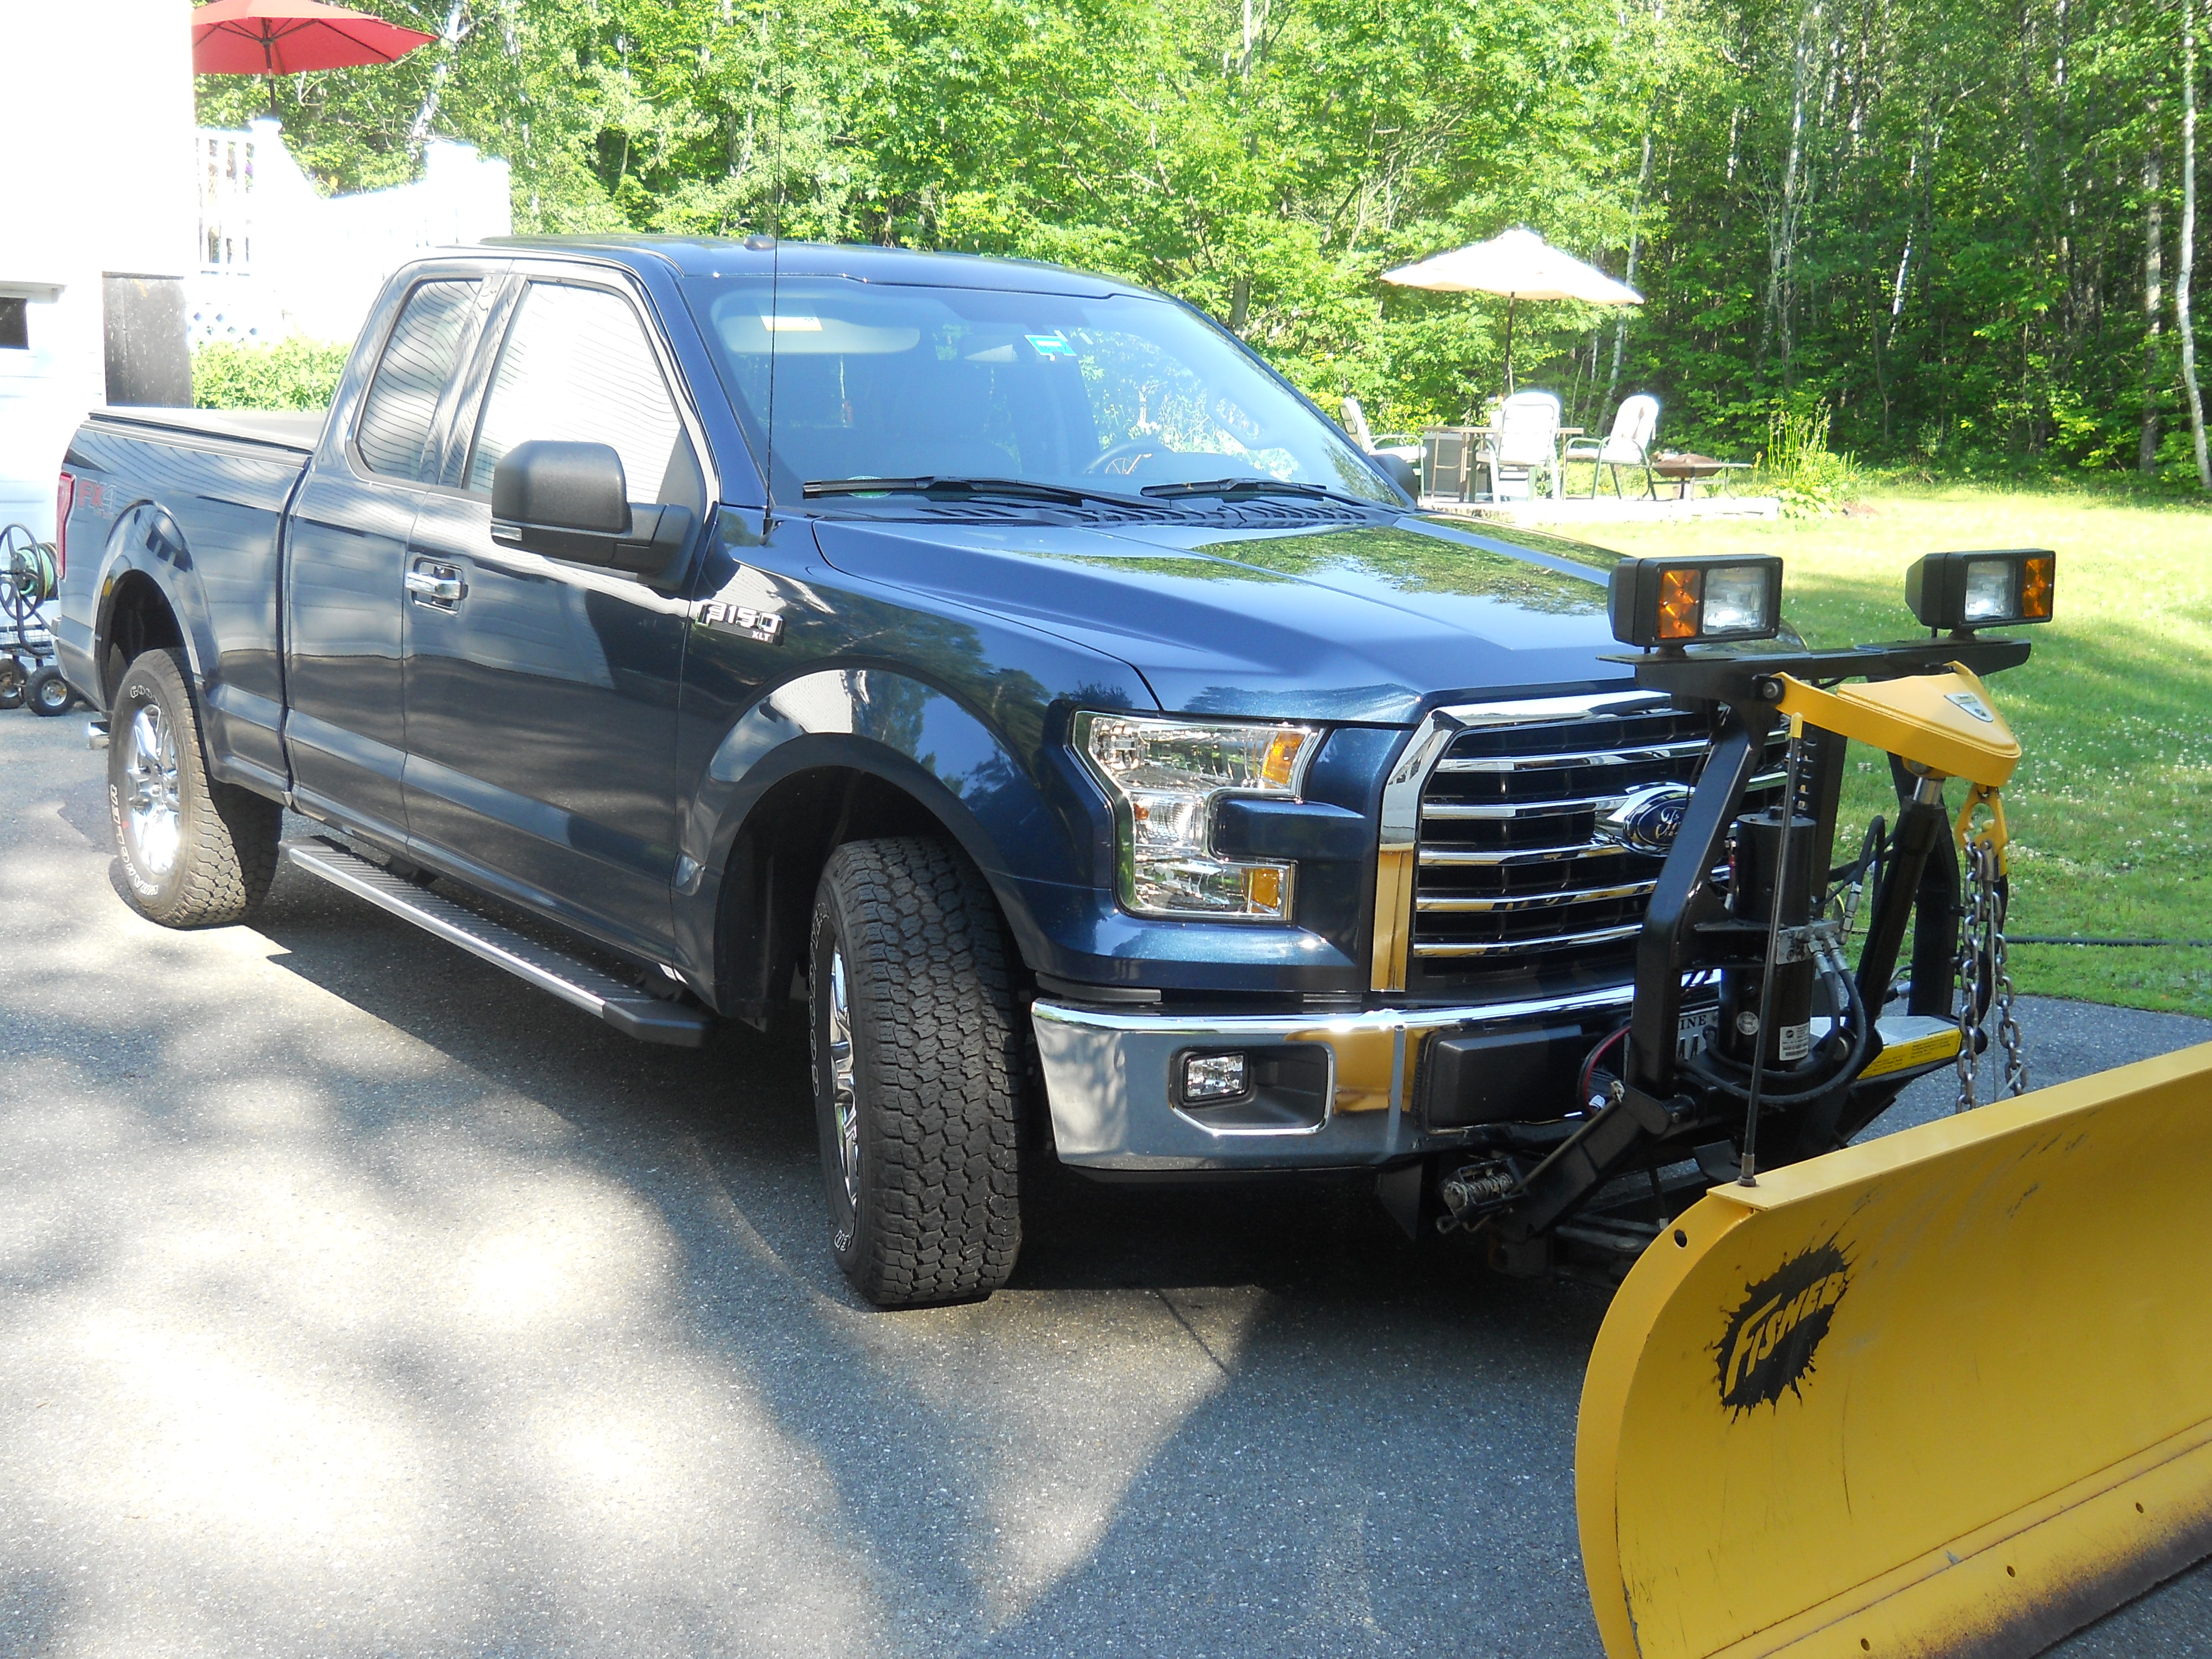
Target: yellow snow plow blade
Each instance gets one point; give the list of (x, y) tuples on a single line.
[(1947, 1392)]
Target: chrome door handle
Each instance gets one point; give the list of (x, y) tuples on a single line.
[(437, 587)]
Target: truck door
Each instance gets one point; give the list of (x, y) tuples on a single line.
[(541, 694), (345, 552)]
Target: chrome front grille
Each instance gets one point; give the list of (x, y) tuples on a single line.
[(1513, 866)]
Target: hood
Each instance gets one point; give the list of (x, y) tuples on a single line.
[(1365, 622)]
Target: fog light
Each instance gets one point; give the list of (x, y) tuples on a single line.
[(1207, 1078)]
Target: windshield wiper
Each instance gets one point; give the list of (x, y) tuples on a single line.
[(1228, 487), (934, 484)]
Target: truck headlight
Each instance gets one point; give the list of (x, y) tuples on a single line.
[(1164, 775)]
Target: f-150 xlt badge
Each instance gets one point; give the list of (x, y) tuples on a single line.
[(761, 625)]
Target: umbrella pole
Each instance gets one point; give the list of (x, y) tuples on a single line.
[(1508, 345)]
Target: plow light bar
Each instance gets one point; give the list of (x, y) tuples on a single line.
[(1678, 602), (1965, 591)]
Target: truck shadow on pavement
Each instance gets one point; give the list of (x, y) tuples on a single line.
[(1203, 1419)]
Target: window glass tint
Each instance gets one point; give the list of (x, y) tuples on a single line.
[(577, 368), (1113, 392), (418, 361)]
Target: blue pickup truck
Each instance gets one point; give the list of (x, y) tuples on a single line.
[(1000, 667)]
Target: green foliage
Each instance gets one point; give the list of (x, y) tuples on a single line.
[(1799, 469), (292, 374), (1931, 218)]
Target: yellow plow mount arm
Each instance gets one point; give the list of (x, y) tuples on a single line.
[(1946, 1393)]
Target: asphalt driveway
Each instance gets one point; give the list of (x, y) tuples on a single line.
[(355, 1298)]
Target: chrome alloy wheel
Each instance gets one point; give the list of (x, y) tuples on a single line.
[(152, 820), (844, 1096)]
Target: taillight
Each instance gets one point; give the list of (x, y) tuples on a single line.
[(65, 498)]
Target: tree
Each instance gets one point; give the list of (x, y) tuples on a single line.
[(2185, 266)]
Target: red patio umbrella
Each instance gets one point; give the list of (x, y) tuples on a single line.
[(284, 36)]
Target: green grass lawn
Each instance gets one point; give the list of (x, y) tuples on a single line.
[(2109, 809)]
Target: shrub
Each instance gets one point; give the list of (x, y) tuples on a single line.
[(1797, 466), (292, 373)]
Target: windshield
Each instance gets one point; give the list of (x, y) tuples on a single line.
[(1112, 396)]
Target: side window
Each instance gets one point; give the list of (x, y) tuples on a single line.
[(418, 361), (577, 368)]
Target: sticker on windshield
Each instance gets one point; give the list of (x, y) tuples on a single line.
[(1054, 344)]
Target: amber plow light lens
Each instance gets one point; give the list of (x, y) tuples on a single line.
[(1679, 602), (1962, 591)]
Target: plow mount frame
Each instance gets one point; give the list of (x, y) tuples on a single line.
[(1655, 1113)]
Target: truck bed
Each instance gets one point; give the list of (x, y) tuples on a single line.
[(283, 428), (190, 504)]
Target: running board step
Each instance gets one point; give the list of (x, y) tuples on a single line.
[(633, 1012)]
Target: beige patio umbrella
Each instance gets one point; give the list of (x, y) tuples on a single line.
[(1520, 264)]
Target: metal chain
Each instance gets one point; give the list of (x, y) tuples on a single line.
[(1971, 923), (1982, 943), (2008, 1026)]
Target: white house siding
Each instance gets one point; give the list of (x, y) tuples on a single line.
[(99, 100)]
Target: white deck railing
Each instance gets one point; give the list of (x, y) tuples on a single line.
[(278, 257)]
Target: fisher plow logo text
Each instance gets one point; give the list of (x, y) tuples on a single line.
[(1772, 1337)]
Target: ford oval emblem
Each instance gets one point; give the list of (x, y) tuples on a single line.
[(1648, 821)]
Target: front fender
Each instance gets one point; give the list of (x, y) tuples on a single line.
[(1041, 834), (910, 735)]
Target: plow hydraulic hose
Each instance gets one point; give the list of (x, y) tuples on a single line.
[(1946, 1393)]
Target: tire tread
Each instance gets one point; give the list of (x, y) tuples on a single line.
[(931, 991)]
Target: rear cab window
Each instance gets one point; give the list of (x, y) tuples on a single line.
[(391, 438)]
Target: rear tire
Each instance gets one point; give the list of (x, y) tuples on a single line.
[(196, 852), (917, 1072), (49, 693)]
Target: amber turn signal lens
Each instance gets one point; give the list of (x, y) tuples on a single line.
[(1696, 599), (2035, 587), (1680, 601), (1279, 765)]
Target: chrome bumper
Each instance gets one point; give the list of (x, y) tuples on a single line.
[(1107, 1074)]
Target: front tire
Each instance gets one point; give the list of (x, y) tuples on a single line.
[(196, 852), (917, 1072)]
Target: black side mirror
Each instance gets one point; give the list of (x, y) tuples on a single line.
[(570, 500)]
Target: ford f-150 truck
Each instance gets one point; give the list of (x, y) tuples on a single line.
[(1001, 663)]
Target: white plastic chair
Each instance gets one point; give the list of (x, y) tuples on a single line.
[(1404, 445), (1629, 444), (1524, 439)]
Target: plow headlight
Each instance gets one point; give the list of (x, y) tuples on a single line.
[(1962, 591), (1678, 602)]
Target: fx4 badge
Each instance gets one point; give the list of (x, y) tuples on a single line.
[(761, 625)]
